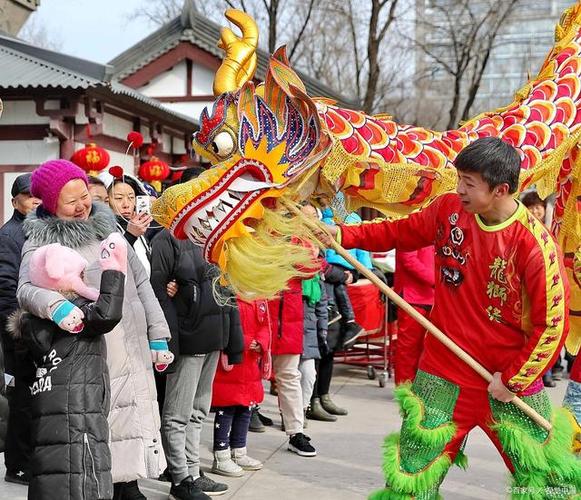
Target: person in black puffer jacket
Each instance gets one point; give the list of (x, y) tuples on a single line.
[(16, 422), (71, 393), (201, 328)]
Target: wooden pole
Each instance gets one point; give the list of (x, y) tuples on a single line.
[(401, 303)]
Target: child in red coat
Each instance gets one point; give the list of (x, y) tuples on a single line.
[(239, 387)]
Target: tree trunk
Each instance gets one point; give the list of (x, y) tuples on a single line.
[(372, 50), (453, 112)]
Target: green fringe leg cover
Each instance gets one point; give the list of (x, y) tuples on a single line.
[(423, 426), (414, 464), (461, 460), (544, 465)]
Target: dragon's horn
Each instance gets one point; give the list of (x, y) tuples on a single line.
[(239, 62)]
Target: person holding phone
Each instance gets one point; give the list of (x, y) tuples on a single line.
[(123, 193)]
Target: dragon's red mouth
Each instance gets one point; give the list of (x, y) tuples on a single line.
[(206, 218)]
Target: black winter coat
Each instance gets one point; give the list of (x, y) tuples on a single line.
[(11, 242), (198, 324), (71, 398)]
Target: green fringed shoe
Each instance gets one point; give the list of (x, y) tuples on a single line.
[(414, 462), (545, 466)]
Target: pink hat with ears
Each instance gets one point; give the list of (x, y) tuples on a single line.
[(49, 178)]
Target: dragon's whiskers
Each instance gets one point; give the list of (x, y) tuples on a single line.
[(260, 264)]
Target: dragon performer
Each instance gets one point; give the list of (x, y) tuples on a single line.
[(272, 142)]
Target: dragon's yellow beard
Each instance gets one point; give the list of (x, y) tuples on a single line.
[(259, 265)]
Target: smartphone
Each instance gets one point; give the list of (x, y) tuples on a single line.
[(142, 205)]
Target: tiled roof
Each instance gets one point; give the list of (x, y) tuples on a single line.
[(194, 28), (25, 66)]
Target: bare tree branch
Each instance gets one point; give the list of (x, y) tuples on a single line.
[(462, 45), (299, 37), (37, 34)]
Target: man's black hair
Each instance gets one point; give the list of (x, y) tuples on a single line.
[(95, 181), (191, 173), (495, 160)]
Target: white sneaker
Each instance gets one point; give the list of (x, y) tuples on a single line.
[(240, 457), (224, 465)]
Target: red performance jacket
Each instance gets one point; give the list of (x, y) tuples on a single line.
[(501, 292), (414, 276)]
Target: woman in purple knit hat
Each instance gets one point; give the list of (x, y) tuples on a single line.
[(68, 217)]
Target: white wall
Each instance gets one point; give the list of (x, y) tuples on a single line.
[(178, 146), (202, 80), (115, 126), (23, 113), (126, 161), (170, 83), (189, 109), (27, 152), (165, 143)]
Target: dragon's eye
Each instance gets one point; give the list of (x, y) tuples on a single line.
[(223, 144)]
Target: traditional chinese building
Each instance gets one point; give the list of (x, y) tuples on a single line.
[(176, 64), (54, 104)]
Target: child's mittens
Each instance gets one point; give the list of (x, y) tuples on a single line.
[(161, 356), (113, 253), (68, 317)]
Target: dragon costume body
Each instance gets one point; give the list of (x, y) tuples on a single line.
[(272, 141)]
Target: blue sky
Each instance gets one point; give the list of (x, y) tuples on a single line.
[(97, 30)]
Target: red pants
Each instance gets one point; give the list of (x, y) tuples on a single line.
[(473, 410), (409, 346)]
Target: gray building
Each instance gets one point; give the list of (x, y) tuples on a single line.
[(14, 13), (520, 48)]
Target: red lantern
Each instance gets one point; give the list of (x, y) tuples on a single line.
[(91, 158), (154, 171)]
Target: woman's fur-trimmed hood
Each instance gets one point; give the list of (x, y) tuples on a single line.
[(42, 228), (14, 323)]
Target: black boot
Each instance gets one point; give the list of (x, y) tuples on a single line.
[(255, 424), (330, 407), (548, 380), (131, 492), (316, 412), (352, 332), (557, 372), (263, 418), (118, 489)]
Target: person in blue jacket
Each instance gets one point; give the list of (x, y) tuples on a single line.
[(338, 288)]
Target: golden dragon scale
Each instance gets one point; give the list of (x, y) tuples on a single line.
[(274, 140)]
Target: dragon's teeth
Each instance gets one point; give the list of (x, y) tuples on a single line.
[(213, 223), (237, 195), (204, 224)]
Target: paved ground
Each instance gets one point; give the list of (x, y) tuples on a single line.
[(349, 454)]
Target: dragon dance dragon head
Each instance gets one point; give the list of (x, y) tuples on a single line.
[(259, 141), (272, 141)]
